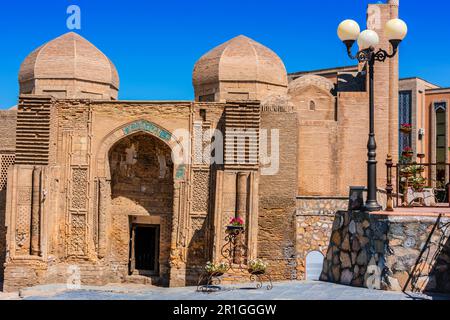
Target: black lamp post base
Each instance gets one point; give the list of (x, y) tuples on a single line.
[(372, 206)]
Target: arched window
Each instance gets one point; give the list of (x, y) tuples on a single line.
[(312, 105), (441, 140)]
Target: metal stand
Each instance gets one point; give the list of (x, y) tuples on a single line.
[(211, 282), (234, 253)]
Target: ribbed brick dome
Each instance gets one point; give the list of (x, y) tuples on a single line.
[(69, 57), (240, 59)]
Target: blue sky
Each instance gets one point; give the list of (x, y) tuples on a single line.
[(154, 44)]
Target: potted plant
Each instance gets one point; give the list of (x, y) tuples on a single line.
[(235, 226), (406, 127), (418, 183), (216, 270), (417, 169), (408, 152), (406, 172), (257, 267)]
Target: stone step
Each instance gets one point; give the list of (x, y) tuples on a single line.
[(136, 279)]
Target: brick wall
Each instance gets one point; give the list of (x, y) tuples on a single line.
[(7, 146), (317, 131), (353, 120), (277, 202), (8, 125)]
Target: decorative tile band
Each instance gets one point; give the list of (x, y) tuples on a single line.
[(147, 126)]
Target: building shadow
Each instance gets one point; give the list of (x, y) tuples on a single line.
[(352, 82), (440, 270), (197, 252), (431, 272)]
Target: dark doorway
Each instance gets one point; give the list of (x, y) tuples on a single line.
[(144, 250)]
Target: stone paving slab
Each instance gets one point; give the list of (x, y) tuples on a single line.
[(290, 290)]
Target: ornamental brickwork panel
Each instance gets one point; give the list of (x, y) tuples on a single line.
[(79, 188), (78, 205), (6, 160), (201, 191), (77, 243), (23, 221)]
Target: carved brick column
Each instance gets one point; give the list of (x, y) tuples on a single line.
[(242, 207), (104, 197), (241, 195), (252, 220), (218, 212), (178, 237), (36, 212)]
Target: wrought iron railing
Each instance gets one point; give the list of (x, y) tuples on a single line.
[(417, 184)]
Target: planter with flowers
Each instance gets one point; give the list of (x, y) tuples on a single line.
[(418, 183), (236, 226), (412, 170), (406, 172), (216, 270), (406, 128), (408, 152), (257, 267), (417, 169)]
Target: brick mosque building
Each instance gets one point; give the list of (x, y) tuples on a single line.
[(88, 180)]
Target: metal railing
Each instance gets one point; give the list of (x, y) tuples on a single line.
[(417, 184)]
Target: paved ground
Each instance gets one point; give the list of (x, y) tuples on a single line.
[(292, 290)]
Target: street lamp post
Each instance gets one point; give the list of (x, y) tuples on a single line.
[(349, 33)]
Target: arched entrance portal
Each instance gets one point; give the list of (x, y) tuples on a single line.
[(142, 192)]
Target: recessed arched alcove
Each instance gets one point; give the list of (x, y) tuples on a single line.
[(142, 172), (314, 265), (142, 191)]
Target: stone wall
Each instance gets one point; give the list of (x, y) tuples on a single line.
[(315, 217), (350, 249), (420, 259), (388, 252)]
